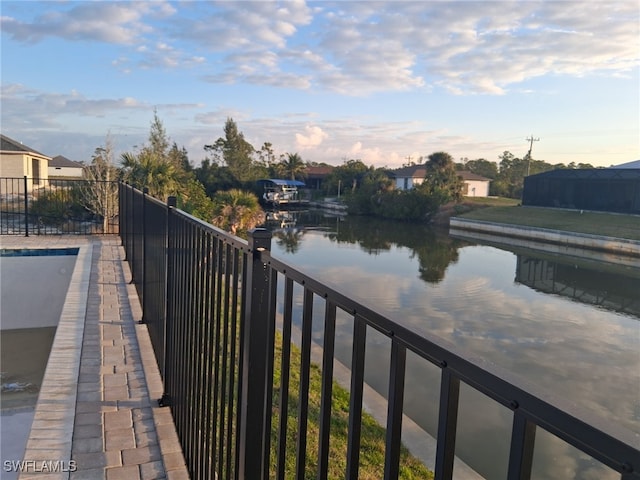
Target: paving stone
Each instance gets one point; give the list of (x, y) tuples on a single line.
[(178, 474), (89, 461), (152, 470), (116, 393), (89, 474), (114, 380), (117, 420), (127, 472), (119, 439), (87, 431), (141, 455), (87, 445), (173, 461)]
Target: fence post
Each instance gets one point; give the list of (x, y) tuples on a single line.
[(253, 404), (122, 229), (134, 232), (145, 192), (26, 209), (169, 258)]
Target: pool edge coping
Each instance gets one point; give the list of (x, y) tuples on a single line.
[(51, 434)]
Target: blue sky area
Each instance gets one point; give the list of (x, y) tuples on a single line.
[(377, 81)]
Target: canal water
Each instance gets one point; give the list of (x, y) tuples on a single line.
[(570, 326)]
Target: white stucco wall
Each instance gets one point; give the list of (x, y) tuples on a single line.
[(18, 165), (477, 188), (410, 183), (65, 172), (12, 165)]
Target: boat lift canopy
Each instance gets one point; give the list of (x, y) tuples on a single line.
[(283, 183)]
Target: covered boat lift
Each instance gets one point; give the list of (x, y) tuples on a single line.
[(279, 191)]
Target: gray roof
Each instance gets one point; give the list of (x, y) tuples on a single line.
[(10, 145), (590, 174), (61, 161), (413, 171), (467, 175), (633, 164), (420, 171)]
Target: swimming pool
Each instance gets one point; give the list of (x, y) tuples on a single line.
[(33, 289)]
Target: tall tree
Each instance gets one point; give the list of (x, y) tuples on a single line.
[(292, 166), (441, 180), (235, 151), (158, 140), (180, 157), (267, 155), (346, 177), (153, 166), (100, 193), (482, 167)]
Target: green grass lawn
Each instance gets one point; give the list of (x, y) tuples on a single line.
[(372, 450), (595, 223)]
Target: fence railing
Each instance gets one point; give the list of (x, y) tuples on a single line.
[(32, 206), (216, 307)]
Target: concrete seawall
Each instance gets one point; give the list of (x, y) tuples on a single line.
[(618, 246)]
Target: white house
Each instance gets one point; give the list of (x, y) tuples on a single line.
[(63, 167), (412, 176), (474, 185), (409, 177), (19, 161)]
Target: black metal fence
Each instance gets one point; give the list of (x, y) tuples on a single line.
[(213, 304), (32, 206)]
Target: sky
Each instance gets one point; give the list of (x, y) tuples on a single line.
[(383, 82)]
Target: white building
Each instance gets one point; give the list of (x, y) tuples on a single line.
[(63, 167), (474, 185), (408, 177), (18, 161)]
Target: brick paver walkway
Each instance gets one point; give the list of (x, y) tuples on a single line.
[(111, 422)]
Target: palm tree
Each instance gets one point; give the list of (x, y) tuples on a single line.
[(160, 176), (292, 166), (237, 211)]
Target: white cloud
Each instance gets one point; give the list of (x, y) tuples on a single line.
[(313, 138), (358, 48), (111, 22)]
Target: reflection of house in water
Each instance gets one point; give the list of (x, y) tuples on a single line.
[(608, 289)]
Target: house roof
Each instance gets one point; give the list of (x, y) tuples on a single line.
[(467, 175), (633, 164), (10, 145), (60, 161), (318, 171), (284, 183), (420, 171), (412, 171), (591, 173)]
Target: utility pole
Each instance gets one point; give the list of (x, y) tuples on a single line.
[(530, 140)]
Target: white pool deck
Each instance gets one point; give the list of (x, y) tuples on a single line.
[(97, 415)]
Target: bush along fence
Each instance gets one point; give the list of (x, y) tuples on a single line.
[(222, 313), (32, 206)]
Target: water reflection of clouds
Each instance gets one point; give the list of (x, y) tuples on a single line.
[(581, 353)]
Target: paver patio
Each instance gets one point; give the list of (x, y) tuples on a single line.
[(97, 411)]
